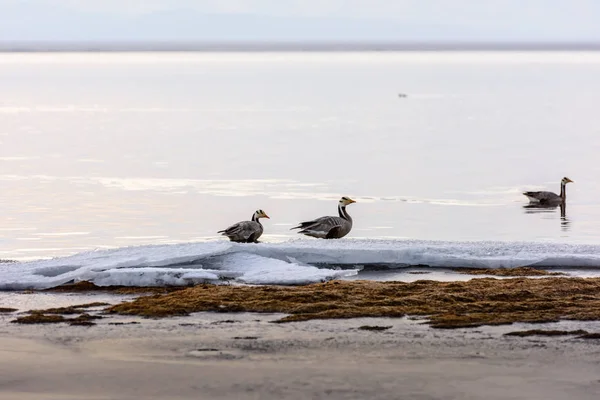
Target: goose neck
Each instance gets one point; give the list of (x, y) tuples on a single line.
[(343, 213)]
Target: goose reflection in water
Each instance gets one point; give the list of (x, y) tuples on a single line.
[(537, 208)]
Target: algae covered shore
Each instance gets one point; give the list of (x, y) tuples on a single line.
[(314, 341), (484, 301), (524, 294)]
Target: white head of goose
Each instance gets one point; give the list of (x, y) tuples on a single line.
[(329, 227), (550, 197), (246, 231)]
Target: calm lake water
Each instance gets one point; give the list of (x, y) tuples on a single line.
[(116, 149)]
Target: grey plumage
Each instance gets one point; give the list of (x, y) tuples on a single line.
[(329, 227), (246, 231), (544, 197)]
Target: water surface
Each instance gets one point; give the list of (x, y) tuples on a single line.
[(115, 149)]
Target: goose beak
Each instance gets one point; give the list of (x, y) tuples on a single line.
[(350, 201), (266, 216), (570, 181)]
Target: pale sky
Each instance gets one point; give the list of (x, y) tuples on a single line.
[(298, 20)]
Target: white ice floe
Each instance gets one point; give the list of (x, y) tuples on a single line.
[(292, 262)]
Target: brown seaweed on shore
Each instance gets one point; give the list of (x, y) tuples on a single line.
[(37, 317), (56, 315), (589, 336), (74, 309), (85, 286), (374, 328), (542, 332), (520, 271), (83, 320), (483, 301), (7, 310)]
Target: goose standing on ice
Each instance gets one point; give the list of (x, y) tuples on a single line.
[(550, 197), (246, 231), (329, 227)]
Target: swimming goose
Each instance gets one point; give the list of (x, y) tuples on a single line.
[(550, 197), (329, 227), (246, 231)]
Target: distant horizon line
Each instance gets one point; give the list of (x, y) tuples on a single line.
[(256, 46)]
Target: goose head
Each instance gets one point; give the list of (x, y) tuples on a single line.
[(565, 180), (261, 214), (344, 201)]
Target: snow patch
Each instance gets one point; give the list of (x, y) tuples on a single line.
[(294, 262)]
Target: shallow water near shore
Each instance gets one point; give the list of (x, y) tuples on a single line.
[(245, 355)]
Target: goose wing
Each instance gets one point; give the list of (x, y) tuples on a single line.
[(322, 227), (243, 230), (542, 196)]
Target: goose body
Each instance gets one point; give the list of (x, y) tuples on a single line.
[(544, 197), (246, 231), (329, 227)]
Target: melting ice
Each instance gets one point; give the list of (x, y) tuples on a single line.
[(293, 262)]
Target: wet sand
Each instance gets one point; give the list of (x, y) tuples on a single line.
[(246, 356)]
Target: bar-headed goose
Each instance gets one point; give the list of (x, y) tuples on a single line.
[(329, 227), (246, 231), (544, 197)]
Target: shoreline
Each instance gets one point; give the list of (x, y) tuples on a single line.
[(246, 355), (474, 299)]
